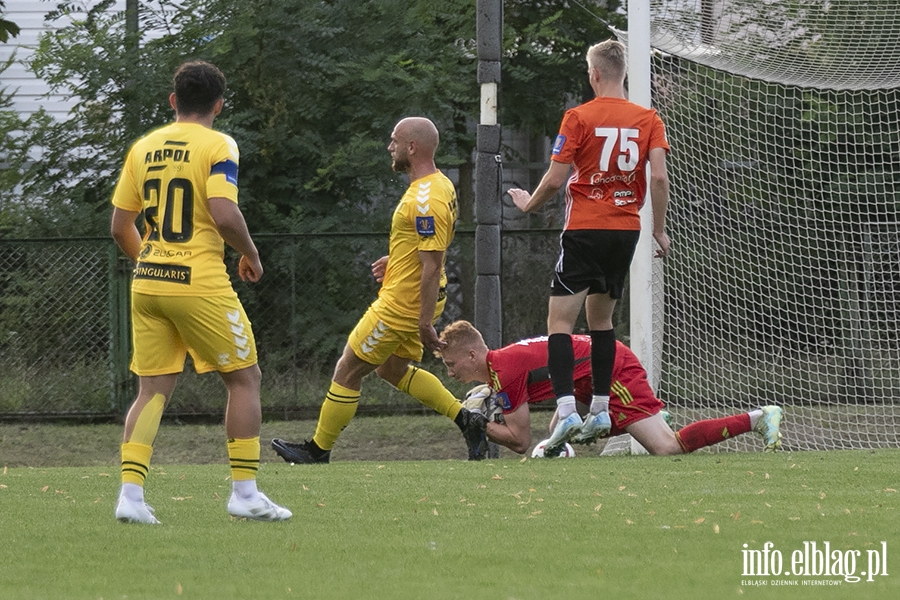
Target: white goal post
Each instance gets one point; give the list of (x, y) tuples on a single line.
[(783, 286)]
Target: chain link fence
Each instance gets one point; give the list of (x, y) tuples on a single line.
[(65, 329), (57, 318)]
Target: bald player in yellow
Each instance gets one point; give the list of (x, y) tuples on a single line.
[(183, 179), (399, 325)]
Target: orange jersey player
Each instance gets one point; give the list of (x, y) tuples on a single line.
[(607, 144)]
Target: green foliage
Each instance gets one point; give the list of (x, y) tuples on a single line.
[(10, 125), (545, 44), (314, 91), (8, 29), (67, 169)]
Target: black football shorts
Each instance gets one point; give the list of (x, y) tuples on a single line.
[(596, 260)]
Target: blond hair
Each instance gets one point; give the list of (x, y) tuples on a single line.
[(609, 59), (461, 333)]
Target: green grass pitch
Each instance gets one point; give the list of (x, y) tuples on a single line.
[(620, 527)]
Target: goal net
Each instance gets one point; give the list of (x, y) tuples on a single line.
[(784, 282)]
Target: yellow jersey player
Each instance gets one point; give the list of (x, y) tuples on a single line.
[(399, 325), (183, 179)]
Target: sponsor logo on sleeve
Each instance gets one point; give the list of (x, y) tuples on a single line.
[(425, 226), (558, 144)]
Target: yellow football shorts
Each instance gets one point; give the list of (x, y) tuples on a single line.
[(375, 338), (215, 331)]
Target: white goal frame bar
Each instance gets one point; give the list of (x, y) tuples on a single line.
[(641, 273)]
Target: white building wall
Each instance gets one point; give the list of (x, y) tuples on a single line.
[(29, 92)]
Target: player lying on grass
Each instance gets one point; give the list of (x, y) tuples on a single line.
[(517, 374)]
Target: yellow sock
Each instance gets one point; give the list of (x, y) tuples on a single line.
[(243, 454), (336, 413), (135, 462), (147, 423), (428, 389)]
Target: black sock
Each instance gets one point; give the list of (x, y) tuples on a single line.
[(603, 358), (561, 364)]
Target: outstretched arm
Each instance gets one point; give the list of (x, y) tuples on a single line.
[(552, 181)]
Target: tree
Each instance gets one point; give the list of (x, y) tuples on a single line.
[(315, 88), (8, 29), (66, 170), (545, 44), (10, 125)]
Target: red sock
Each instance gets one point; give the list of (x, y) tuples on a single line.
[(712, 431)]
